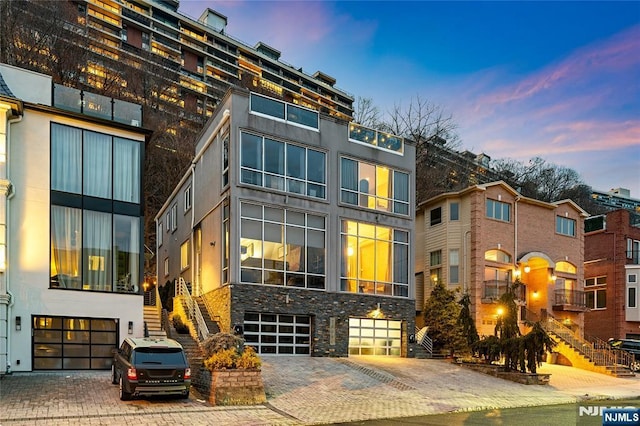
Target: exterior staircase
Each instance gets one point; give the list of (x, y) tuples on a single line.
[(192, 350), (424, 345), (212, 325), (584, 354), (153, 322)]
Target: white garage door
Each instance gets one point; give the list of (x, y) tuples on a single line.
[(278, 334), (368, 336)]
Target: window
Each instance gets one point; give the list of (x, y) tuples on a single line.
[(633, 250), (435, 216), (632, 278), (167, 219), (454, 213), (631, 297), (95, 164), (185, 255), (93, 250), (375, 138), (374, 187), (498, 210), (282, 247), (284, 111), (225, 160), (497, 256), (375, 259), (435, 258), (566, 267), (187, 199), (435, 272), (225, 242), (281, 166), (596, 299), (589, 282), (596, 292), (166, 266), (159, 234), (565, 226), (454, 262), (96, 244), (174, 217)]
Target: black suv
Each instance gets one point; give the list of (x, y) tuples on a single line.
[(631, 346), (148, 366)]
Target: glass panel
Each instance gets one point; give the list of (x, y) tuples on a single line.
[(274, 156), (107, 325), (96, 251), (295, 218), (126, 253), (76, 350), (47, 364), (382, 261), (66, 240), (401, 263), (302, 116), (316, 251), (76, 337), (296, 161), (66, 159), (76, 363), (47, 336), (251, 151), (96, 165), (251, 210), (273, 214), (315, 221), (267, 106), (126, 170), (47, 350), (294, 255), (316, 171)]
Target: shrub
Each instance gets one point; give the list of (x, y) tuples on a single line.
[(179, 325), (227, 351), (222, 341)]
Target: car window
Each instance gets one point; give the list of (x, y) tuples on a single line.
[(158, 356)]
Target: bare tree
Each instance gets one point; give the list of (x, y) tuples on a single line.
[(366, 113)]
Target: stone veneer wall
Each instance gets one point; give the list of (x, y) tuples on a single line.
[(218, 301), (320, 305)]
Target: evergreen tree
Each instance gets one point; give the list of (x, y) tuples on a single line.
[(507, 328), (441, 313), (466, 322)]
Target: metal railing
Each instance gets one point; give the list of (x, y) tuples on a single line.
[(494, 289), (570, 298), (598, 354), (193, 311), (423, 340)]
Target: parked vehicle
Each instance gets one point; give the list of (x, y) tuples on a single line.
[(629, 345), (145, 366)]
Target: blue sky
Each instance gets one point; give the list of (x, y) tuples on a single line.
[(558, 80)]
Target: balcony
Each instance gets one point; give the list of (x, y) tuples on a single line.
[(493, 290), (380, 140), (569, 300), (95, 105)]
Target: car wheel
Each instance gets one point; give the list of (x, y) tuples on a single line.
[(114, 378), (124, 395), (635, 366), (186, 395)]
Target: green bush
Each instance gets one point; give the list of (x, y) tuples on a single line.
[(222, 341)]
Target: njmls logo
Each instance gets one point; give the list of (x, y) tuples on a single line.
[(595, 410), (625, 416)]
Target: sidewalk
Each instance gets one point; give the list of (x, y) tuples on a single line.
[(302, 390)]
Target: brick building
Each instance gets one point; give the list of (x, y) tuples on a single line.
[(482, 239), (612, 271)]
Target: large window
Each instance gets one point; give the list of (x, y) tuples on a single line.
[(281, 166), (93, 250), (565, 226), (95, 164), (498, 210), (375, 187), (596, 292), (375, 259), (454, 265), (282, 247), (95, 227)]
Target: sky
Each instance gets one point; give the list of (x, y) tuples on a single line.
[(557, 80)]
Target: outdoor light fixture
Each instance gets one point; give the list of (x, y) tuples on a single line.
[(18, 323), (130, 327), (535, 294), (527, 269), (500, 311)]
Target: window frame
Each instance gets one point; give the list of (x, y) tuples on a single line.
[(186, 197), (495, 209), (566, 226), (435, 219)]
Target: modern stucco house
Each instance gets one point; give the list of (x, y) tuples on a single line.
[(71, 224), (486, 237), (295, 228)]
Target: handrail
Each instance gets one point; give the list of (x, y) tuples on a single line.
[(424, 340), (193, 311), (158, 304), (598, 354)]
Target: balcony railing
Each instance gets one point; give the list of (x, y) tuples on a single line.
[(95, 105), (376, 138), (569, 300), (493, 290)]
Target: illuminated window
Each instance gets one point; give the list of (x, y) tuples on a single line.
[(497, 256), (375, 259), (566, 267), (282, 247), (374, 187), (185, 255)]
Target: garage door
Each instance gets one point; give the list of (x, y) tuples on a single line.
[(71, 343), (369, 336), (278, 333)]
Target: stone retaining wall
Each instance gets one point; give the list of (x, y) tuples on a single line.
[(231, 387)]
